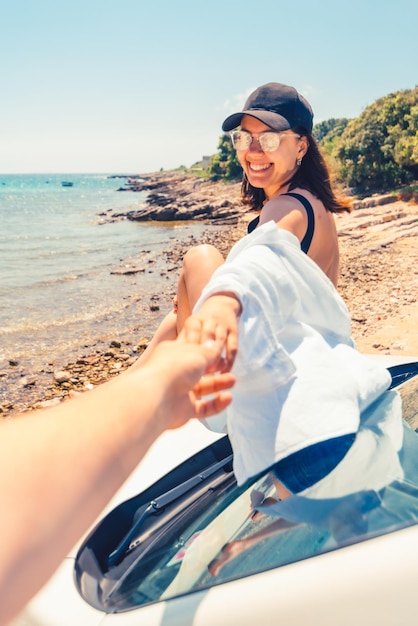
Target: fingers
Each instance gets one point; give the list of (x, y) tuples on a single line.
[(205, 333), (214, 383), (197, 330), (217, 336), (231, 350), (211, 406), (192, 330), (225, 343)]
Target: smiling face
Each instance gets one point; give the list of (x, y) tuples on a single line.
[(270, 170)]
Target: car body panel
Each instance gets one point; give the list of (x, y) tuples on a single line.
[(370, 583)]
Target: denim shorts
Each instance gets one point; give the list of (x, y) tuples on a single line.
[(304, 468)]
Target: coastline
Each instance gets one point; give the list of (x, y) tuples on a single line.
[(379, 282)]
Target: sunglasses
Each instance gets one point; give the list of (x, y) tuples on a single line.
[(268, 141)]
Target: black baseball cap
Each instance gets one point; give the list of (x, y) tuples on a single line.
[(279, 106)]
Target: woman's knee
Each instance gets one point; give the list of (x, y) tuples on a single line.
[(202, 256)]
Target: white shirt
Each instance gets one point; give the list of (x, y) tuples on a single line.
[(300, 379)]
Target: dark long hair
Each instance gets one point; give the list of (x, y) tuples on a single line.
[(312, 175)]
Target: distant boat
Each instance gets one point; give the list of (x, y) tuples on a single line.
[(66, 183)]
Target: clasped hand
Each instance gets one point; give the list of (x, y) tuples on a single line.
[(216, 321)]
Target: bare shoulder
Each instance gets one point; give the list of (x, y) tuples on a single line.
[(290, 214), (284, 207), (287, 212)]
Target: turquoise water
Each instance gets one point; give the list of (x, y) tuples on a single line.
[(57, 291)]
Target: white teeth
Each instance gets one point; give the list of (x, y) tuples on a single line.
[(258, 168)]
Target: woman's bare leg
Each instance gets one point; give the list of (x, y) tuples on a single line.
[(167, 330), (199, 264)]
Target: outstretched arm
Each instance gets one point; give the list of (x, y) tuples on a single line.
[(60, 467)]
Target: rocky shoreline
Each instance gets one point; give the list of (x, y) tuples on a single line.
[(178, 196), (379, 280)]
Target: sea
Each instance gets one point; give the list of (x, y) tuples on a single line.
[(61, 285)]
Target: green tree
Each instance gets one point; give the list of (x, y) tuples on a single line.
[(328, 134), (334, 127), (379, 149), (224, 164)]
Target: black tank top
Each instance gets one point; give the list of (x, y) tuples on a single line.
[(307, 239)]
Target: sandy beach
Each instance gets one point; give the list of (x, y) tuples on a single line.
[(379, 283)]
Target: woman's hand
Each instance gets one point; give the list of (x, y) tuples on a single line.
[(216, 321), (186, 388)]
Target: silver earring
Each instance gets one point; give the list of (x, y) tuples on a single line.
[(298, 162)]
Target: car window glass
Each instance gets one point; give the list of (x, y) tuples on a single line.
[(219, 532)]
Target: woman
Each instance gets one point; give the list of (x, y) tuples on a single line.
[(277, 291), (279, 155), (285, 178)]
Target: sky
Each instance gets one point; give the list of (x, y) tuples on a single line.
[(133, 86)]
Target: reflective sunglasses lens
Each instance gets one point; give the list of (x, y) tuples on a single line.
[(269, 142), (241, 140)]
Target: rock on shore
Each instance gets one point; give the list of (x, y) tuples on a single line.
[(177, 196)]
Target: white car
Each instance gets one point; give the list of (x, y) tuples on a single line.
[(195, 549)]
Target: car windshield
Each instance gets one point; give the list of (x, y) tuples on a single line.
[(212, 531)]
